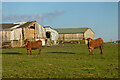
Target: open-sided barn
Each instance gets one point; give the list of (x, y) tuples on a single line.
[(15, 33), (51, 34), (75, 33)]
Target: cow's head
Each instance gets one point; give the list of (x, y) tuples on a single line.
[(26, 42), (89, 39)]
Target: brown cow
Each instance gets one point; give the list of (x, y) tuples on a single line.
[(96, 43), (33, 45)]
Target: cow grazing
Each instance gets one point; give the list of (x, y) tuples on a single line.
[(33, 45), (96, 43)]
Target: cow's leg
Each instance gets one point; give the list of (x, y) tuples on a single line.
[(101, 49), (92, 50), (30, 52), (39, 50), (27, 51), (89, 51)]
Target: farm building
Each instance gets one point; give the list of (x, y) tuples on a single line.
[(51, 34), (15, 33), (75, 33)]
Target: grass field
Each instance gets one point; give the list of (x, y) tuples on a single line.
[(69, 61)]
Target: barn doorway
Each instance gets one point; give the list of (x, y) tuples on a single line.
[(48, 34)]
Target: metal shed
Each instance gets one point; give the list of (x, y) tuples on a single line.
[(75, 33)]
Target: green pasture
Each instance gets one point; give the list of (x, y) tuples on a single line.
[(68, 61)]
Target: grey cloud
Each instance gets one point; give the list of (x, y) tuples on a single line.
[(38, 17)]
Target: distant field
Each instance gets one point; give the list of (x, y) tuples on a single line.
[(69, 61)]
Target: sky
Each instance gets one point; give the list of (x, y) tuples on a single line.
[(101, 17), (60, 0)]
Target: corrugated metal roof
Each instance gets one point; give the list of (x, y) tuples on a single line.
[(10, 25), (26, 24), (71, 30)]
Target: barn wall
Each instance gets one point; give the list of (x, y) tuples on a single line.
[(11, 38), (17, 43), (6, 35), (71, 36), (40, 31), (89, 34), (16, 34), (16, 37), (60, 36), (30, 32), (78, 36)]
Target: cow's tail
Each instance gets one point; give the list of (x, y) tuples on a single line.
[(101, 46), (101, 43)]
